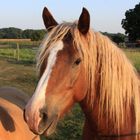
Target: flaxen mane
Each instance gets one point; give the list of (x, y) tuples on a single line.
[(112, 80)]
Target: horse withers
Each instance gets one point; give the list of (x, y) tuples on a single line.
[(76, 64), (12, 124)]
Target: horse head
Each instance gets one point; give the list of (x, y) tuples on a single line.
[(62, 74)]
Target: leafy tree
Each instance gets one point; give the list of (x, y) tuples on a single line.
[(34, 35), (38, 35), (15, 33), (131, 23), (27, 33), (11, 32), (117, 38)]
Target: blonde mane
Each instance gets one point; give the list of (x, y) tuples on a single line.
[(112, 80)]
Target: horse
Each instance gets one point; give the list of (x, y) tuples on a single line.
[(75, 64), (12, 124)]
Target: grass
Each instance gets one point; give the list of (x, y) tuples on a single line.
[(16, 74), (134, 57), (21, 74), (25, 54), (23, 43)]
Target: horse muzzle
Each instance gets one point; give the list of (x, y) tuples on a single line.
[(48, 126), (40, 122)]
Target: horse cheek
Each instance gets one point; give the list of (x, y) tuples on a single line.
[(80, 89)]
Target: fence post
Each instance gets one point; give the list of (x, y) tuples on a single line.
[(14, 53), (17, 51)]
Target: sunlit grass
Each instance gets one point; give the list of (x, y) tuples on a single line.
[(25, 54), (134, 57)]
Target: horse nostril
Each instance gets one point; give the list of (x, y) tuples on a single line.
[(24, 115), (44, 118)]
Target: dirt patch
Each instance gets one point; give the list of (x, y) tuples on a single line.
[(19, 76)]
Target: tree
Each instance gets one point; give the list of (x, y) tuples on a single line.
[(27, 33), (11, 32), (38, 35), (117, 38), (15, 33), (34, 35), (131, 23)]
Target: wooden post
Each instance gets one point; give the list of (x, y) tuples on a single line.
[(14, 53), (17, 51)]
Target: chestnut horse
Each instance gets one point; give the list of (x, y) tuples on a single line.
[(12, 125), (76, 64)]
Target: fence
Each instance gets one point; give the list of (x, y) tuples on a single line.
[(23, 50), (15, 40)]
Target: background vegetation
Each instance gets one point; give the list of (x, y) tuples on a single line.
[(15, 33), (36, 35), (131, 23)]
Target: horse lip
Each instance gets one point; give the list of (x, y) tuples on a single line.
[(51, 126)]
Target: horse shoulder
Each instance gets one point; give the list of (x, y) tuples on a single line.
[(14, 96), (12, 124)]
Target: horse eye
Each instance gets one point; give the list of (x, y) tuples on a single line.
[(77, 62)]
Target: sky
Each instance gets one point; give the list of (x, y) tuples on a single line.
[(106, 15)]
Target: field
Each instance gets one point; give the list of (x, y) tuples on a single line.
[(21, 74), (134, 57)]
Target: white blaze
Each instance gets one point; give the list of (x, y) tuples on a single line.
[(38, 99), (42, 85)]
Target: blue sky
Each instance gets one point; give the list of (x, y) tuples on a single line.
[(106, 15)]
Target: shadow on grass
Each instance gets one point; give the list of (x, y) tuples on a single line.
[(22, 62), (19, 62)]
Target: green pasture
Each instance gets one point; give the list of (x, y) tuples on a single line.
[(21, 74), (134, 57), (25, 54)]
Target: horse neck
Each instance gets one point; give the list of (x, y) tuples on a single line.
[(105, 126), (102, 127)]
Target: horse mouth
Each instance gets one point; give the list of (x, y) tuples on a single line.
[(49, 128)]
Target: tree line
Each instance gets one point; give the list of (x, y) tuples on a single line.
[(36, 35), (16, 33)]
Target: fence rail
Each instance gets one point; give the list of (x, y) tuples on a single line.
[(19, 51), (15, 40)]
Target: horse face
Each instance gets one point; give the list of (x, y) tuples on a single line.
[(61, 84)]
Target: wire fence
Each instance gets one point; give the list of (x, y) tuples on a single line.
[(23, 51)]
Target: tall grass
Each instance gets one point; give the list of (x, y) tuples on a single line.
[(134, 57)]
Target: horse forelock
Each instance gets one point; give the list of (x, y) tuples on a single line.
[(112, 80), (55, 35)]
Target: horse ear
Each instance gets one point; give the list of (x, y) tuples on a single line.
[(84, 21), (48, 19)]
